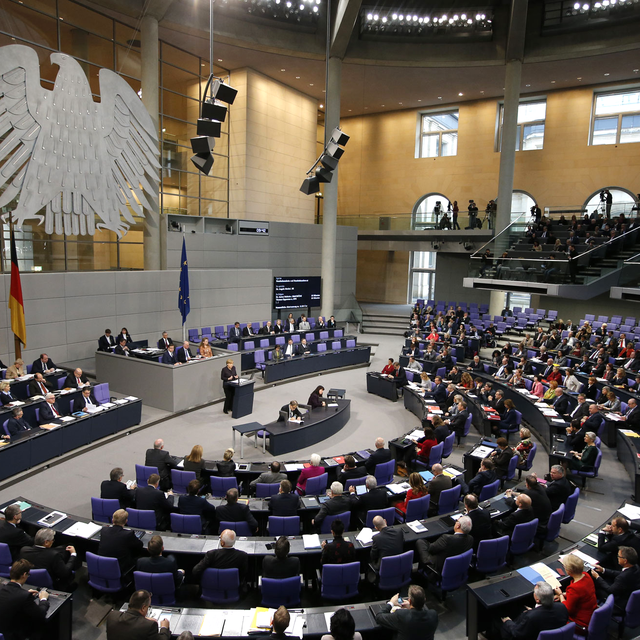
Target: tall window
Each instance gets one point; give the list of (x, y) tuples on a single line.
[(522, 300), (422, 276), (616, 118), (531, 118), (438, 134)]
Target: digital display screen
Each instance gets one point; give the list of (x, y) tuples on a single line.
[(296, 292)]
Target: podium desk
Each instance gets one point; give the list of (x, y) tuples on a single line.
[(242, 397), (382, 386)]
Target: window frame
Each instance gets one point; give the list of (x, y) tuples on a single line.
[(428, 270), (619, 116), (500, 119), (420, 133)]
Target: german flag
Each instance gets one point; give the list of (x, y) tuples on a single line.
[(16, 303)]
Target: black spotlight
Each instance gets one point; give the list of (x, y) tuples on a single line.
[(211, 128), (324, 175), (310, 185), (334, 151), (203, 162), (211, 110), (224, 92), (202, 144), (328, 162)]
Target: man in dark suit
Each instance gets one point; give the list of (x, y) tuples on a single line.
[(281, 565), (559, 488), (268, 477), (399, 376), (43, 364), (122, 349), (17, 424), (501, 456), (150, 498), (632, 415), (412, 620), (441, 432), (235, 333), (337, 503), (439, 393), (22, 613), (433, 554), (485, 476), (86, 402), (157, 563), (476, 366), (133, 623), (621, 583), (115, 489), (267, 330), (165, 341), (545, 616), (616, 535), (39, 386), (540, 504), (10, 531), (106, 342), (233, 511), (480, 520), (49, 411), (284, 503), (193, 504), (436, 486), (248, 331), (388, 542), (593, 422), (303, 348), (457, 423), (561, 402), (581, 410), (169, 356), (497, 401), (159, 458), (375, 498), (225, 557), (184, 354), (379, 456), (521, 515), (120, 543), (59, 562), (350, 471), (76, 380)]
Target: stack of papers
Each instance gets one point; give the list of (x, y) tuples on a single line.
[(415, 434), (452, 473), (83, 529), (108, 404), (212, 623), (311, 541), (122, 401), (293, 467), (538, 572), (482, 452), (630, 511), (67, 419), (23, 506), (365, 537), (589, 562), (613, 416), (131, 398), (160, 615), (399, 488), (629, 433), (416, 526)]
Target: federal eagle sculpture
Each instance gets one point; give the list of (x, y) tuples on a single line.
[(62, 152)]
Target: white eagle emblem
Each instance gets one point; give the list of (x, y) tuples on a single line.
[(62, 151)]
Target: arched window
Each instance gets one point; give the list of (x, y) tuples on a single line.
[(622, 201), (423, 216), (521, 202)]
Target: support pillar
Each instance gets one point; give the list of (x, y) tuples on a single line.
[(330, 192)]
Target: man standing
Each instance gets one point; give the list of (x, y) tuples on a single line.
[(159, 458)]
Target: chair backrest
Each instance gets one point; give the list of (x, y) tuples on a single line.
[(143, 473), (258, 357), (384, 472), (186, 524), (324, 335), (455, 571), (632, 610), (489, 490), (532, 454), (280, 340), (442, 372), (241, 528), (336, 344), (264, 490), (448, 445), (232, 346), (5, 560), (351, 344), (449, 499), (220, 486), (388, 514), (141, 519), (40, 578), (340, 581), (338, 333), (221, 585), (418, 508), (219, 329), (522, 536), (104, 573), (101, 392), (285, 592), (492, 554), (322, 346), (467, 424), (295, 337), (355, 482), (5, 427), (563, 633), (435, 455), (264, 343), (309, 336), (180, 480), (555, 521), (511, 471), (284, 526), (600, 619), (103, 509), (409, 375), (570, 506), (395, 571), (160, 585), (316, 486), (345, 516), (249, 344), (193, 335)]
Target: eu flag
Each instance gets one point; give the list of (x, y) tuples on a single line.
[(184, 305)]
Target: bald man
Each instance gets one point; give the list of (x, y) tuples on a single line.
[(379, 456), (521, 515), (76, 380)]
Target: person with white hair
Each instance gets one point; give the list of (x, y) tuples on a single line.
[(49, 411), (433, 554), (224, 557), (380, 455), (337, 503), (316, 469)]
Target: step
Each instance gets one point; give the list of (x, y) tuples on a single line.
[(383, 330)]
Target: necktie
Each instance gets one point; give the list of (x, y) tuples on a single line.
[(55, 411), (42, 387), (78, 381), (88, 402)]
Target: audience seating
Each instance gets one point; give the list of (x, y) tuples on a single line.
[(40, 578), (589, 474), (448, 445), (345, 517), (417, 509), (489, 491), (276, 593), (631, 616), (143, 473), (161, 586), (455, 572), (104, 573), (284, 526), (528, 465), (511, 471), (384, 472), (388, 514), (449, 499), (563, 633), (241, 528), (264, 490), (220, 486), (186, 523), (395, 572), (554, 524), (5, 560), (316, 486), (180, 480), (600, 619), (103, 509), (522, 538), (220, 586), (141, 519), (492, 555), (339, 581)]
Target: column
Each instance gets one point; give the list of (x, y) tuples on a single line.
[(153, 255), (330, 203)]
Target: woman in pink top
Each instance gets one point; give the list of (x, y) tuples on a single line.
[(316, 469), (537, 389)]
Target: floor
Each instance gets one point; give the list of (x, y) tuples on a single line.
[(70, 485)]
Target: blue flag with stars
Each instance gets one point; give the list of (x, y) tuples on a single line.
[(184, 304)]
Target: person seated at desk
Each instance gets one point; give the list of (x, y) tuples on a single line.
[(235, 333), (399, 376), (616, 535), (375, 497), (425, 381), (122, 349), (281, 565), (76, 380), (621, 584), (580, 596), (86, 402), (581, 410), (439, 393), (316, 469), (165, 341), (248, 331), (278, 327), (509, 418), (226, 466), (423, 446), (124, 335), (194, 504), (414, 365), (134, 623), (59, 562), (545, 616), (388, 542), (561, 401), (433, 554), (106, 342), (284, 503), (571, 382), (303, 349), (43, 364), (612, 403), (315, 399), (350, 471), (291, 349), (290, 324), (632, 415), (162, 460), (277, 354), (380, 455), (16, 370), (16, 424), (476, 366), (503, 369), (585, 365), (457, 422), (338, 550), (268, 477), (292, 411), (389, 368), (157, 563), (279, 624), (586, 460), (517, 379), (49, 410), (486, 475), (120, 543), (233, 511), (11, 533), (38, 386), (540, 504), (412, 619), (440, 429), (304, 325), (455, 375), (6, 397), (481, 528), (320, 323), (558, 488), (331, 323), (194, 462), (501, 456), (150, 498), (523, 448), (267, 330), (436, 486), (521, 515), (204, 348), (337, 503), (184, 354), (414, 351), (22, 612), (169, 356), (418, 489), (115, 489), (550, 394)]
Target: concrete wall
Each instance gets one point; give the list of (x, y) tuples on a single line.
[(383, 276), (451, 268)]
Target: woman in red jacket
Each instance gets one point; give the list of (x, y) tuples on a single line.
[(316, 469), (580, 597), (389, 368), (418, 490), (423, 446)]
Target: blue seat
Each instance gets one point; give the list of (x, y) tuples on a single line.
[(563, 633), (193, 335), (220, 486), (384, 472), (336, 344), (280, 340), (101, 392), (264, 490), (589, 474), (241, 528), (141, 519), (232, 346), (338, 333), (284, 526), (322, 346), (388, 514), (449, 499), (511, 471), (180, 480), (103, 509), (5, 560), (345, 517), (600, 619), (570, 506), (104, 573), (161, 586), (264, 343), (455, 572), (340, 581), (316, 486), (395, 571), (40, 578), (356, 482), (220, 332), (554, 524), (143, 473), (631, 616), (417, 509), (492, 555), (186, 523), (448, 445), (284, 592), (220, 586), (249, 345), (489, 491), (435, 457), (351, 344), (522, 538)]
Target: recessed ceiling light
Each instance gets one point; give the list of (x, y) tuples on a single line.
[(636, 70), (321, 106), (297, 77), (527, 85), (282, 69), (578, 78), (461, 94), (399, 102), (202, 64), (419, 100), (219, 59), (553, 82), (439, 97), (311, 84), (382, 105), (606, 74), (482, 92), (349, 110)]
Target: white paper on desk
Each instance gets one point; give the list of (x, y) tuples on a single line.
[(37, 397), (122, 401), (471, 395), (436, 411), (160, 615), (482, 452), (16, 403), (210, 545), (365, 536), (296, 625), (67, 419), (416, 526), (612, 416), (332, 404), (399, 488), (630, 511), (453, 471), (548, 574), (293, 467), (234, 621), (549, 412), (107, 404), (64, 392), (311, 541), (414, 435), (212, 623), (28, 376), (588, 560), (560, 420), (541, 405), (263, 619), (132, 398), (84, 530)]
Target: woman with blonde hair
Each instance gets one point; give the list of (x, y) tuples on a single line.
[(5, 393), (194, 462), (205, 348), (227, 467), (550, 393), (17, 369), (580, 596)]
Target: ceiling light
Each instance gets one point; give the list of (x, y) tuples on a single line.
[(321, 106), (375, 17), (527, 85), (460, 94), (297, 77), (455, 17), (553, 82), (585, 7), (606, 74), (315, 9), (419, 100), (369, 16), (400, 17), (202, 64), (399, 102), (282, 69), (219, 59), (482, 92), (301, 7), (311, 84), (464, 16), (384, 19), (382, 105), (394, 16), (439, 97), (578, 78)]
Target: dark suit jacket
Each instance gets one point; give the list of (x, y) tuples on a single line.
[(377, 457), (121, 352), (285, 408), (105, 344), (633, 420), (610, 544), (447, 545), (439, 394), (20, 613), (196, 506), (300, 349), (16, 426), (114, 490), (389, 542), (409, 624), (38, 367), (582, 411), (79, 404), (34, 388), (116, 542), (72, 382), (162, 345), (376, 499), (501, 460), (540, 504), (337, 504), (246, 334), (561, 404), (163, 461), (400, 376), (15, 537), (592, 423), (458, 421), (160, 564), (480, 526), (619, 583), (132, 625), (46, 412), (529, 624), (273, 567), (52, 560), (442, 432), (234, 334), (350, 474), (558, 491), (6, 398), (284, 504), (520, 516), (480, 480), (436, 486), (236, 513), (180, 354), (150, 499), (223, 559), (169, 358)]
